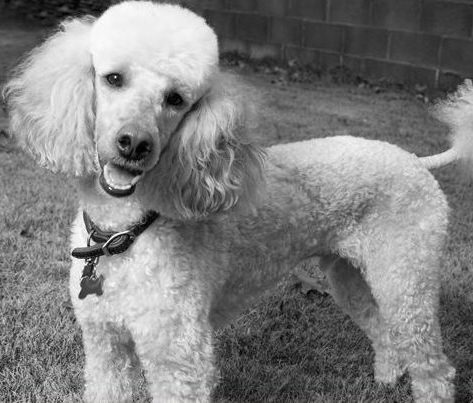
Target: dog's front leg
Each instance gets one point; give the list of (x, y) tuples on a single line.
[(175, 349), (111, 365)]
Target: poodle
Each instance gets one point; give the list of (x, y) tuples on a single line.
[(184, 220)]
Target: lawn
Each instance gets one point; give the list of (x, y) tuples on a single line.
[(292, 346)]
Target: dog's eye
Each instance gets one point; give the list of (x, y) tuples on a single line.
[(114, 79), (174, 99)]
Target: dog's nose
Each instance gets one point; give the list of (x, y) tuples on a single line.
[(134, 144)]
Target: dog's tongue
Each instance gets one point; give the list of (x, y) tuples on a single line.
[(118, 177), (118, 181)]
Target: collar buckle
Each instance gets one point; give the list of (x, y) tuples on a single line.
[(128, 240)]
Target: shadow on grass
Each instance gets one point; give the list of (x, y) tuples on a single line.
[(456, 320), (299, 348), (296, 347)]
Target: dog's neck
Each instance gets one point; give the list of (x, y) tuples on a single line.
[(108, 212)]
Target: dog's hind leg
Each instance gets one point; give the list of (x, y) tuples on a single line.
[(401, 265), (409, 304), (351, 292)]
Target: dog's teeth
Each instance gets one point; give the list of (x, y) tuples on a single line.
[(120, 187), (136, 179)]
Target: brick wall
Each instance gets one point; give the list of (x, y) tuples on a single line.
[(426, 42)]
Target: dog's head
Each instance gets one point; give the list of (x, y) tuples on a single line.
[(135, 98)]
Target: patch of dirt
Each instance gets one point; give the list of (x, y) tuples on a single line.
[(293, 72)]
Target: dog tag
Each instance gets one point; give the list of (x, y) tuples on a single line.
[(91, 285)]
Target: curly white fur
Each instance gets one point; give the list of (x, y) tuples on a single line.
[(219, 164), (51, 101), (233, 218), (457, 112)]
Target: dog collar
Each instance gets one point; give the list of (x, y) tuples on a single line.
[(108, 242)]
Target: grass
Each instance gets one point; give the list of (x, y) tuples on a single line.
[(291, 346)]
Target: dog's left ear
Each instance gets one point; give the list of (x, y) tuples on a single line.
[(216, 163)]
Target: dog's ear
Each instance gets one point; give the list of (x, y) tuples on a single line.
[(50, 101), (216, 162)]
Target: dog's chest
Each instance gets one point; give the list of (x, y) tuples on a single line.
[(146, 275)]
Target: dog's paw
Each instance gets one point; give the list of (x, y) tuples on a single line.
[(387, 369)]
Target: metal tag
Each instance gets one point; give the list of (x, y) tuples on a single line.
[(90, 283)]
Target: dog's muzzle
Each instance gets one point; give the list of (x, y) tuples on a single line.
[(134, 147)]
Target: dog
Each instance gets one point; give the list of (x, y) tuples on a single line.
[(184, 220)]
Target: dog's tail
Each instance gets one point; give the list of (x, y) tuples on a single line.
[(457, 112), (440, 160)]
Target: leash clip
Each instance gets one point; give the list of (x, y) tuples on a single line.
[(89, 237)]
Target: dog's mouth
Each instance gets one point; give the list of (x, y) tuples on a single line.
[(119, 181)]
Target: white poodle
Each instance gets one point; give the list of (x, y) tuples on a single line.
[(188, 221)]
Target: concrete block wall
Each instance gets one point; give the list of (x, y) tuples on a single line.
[(51, 11), (427, 42)]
